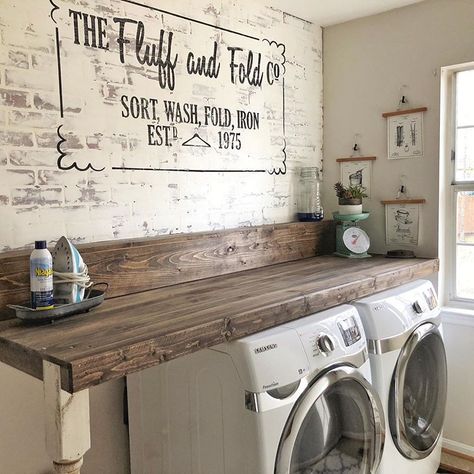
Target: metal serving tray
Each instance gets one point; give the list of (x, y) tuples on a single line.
[(94, 298)]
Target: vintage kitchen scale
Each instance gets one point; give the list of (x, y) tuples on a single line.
[(351, 240)]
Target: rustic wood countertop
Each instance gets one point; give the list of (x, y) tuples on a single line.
[(133, 332)]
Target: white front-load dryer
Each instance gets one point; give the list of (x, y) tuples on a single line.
[(293, 399), (409, 372)]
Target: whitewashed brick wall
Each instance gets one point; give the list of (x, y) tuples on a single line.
[(37, 200)]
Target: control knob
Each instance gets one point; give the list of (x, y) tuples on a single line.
[(325, 344), (417, 307)]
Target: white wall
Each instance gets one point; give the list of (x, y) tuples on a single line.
[(459, 426), (37, 200), (365, 63), (22, 445)]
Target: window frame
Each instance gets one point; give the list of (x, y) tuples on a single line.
[(449, 190), (456, 188)]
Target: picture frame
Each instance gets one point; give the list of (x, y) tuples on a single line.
[(405, 133), (402, 222), (357, 171)]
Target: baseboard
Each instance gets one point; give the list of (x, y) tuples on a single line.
[(458, 449)]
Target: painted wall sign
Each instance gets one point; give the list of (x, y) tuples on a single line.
[(217, 101), (107, 112)]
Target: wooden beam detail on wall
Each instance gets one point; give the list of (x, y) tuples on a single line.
[(404, 201), (356, 158), (404, 112)]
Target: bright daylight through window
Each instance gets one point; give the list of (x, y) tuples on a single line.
[(463, 184)]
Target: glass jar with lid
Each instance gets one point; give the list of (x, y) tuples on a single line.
[(309, 206)]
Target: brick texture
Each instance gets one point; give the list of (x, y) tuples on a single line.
[(38, 200)]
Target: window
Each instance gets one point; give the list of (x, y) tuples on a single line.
[(461, 192)]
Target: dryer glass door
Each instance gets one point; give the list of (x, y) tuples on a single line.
[(418, 393), (336, 426)]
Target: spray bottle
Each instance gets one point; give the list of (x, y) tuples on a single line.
[(41, 277)]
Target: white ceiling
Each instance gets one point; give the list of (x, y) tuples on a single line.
[(330, 12)]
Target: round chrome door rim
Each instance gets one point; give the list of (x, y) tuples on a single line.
[(307, 400), (398, 431)]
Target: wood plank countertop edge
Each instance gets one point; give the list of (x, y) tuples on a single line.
[(293, 302)]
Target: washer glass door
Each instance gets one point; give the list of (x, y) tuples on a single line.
[(418, 393), (336, 426)]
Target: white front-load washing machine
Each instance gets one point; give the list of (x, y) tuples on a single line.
[(292, 399), (408, 362)]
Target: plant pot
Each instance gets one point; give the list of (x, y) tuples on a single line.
[(350, 206)]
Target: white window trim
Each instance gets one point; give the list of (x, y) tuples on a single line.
[(447, 192), (457, 316)]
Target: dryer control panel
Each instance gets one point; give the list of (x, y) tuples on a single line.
[(423, 302), (430, 297), (395, 311)]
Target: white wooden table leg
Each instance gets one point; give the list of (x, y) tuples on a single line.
[(67, 422), (70, 468)]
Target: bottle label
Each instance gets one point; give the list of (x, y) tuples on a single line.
[(41, 278), (42, 299)]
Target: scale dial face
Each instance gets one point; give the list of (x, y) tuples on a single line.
[(356, 240)]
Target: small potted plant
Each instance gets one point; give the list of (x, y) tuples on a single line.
[(350, 198)]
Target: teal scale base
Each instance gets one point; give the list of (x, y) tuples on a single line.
[(341, 249), (352, 255)]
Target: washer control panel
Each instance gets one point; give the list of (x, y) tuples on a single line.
[(350, 330), (331, 334), (319, 343)]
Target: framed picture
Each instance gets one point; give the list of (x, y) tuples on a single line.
[(402, 223), (405, 133), (357, 173)]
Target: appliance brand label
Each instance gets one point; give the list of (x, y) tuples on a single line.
[(268, 347)]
